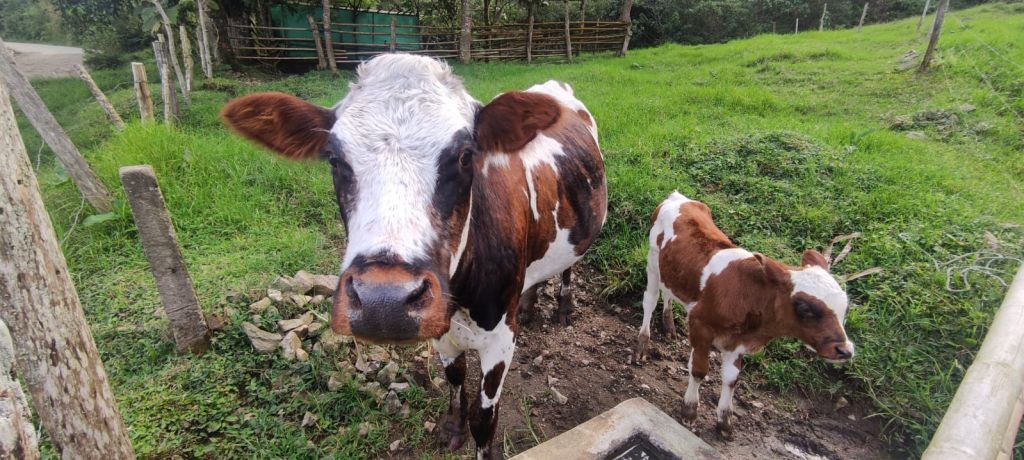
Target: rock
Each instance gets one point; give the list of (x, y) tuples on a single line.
[(388, 374), (299, 300), (916, 135), (552, 381), (290, 344), (289, 324), (335, 381), (315, 329), (392, 404), (230, 312), (374, 389), (283, 284), (645, 387), (429, 426), (260, 305), (216, 322), (275, 295), (160, 313), (364, 428), (538, 360), (966, 107), (395, 445), (907, 61), (262, 341), (438, 382), (317, 299), (852, 417), (399, 387), (559, 397), (301, 355), (377, 353), (332, 342), (324, 285), (317, 349), (309, 419), (404, 412), (841, 403), (757, 404)]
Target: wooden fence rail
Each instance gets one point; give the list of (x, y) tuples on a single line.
[(351, 43)]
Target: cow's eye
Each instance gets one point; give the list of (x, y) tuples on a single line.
[(333, 160), (804, 309), (466, 157)]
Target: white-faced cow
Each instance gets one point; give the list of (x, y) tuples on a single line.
[(453, 210), (736, 301)]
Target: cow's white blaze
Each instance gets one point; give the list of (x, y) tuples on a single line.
[(393, 125), (817, 282), (720, 261), (463, 239)]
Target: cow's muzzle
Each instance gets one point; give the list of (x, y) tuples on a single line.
[(390, 304), (837, 352)]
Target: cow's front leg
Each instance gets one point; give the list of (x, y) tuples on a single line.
[(732, 362), (454, 427), (565, 303), (495, 358)]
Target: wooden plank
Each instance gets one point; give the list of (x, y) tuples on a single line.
[(101, 98), (321, 59), (56, 354), (42, 120)]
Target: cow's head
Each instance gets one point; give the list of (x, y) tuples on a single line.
[(403, 147), (813, 305)]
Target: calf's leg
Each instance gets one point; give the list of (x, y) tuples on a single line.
[(527, 310), (496, 353), (668, 317), (700, 343), (565, 304), (650, 301), (454, 427), (732, 362)]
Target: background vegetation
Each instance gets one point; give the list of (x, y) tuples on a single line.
[(790, 139)]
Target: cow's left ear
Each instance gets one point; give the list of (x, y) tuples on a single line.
[(815, 259), (285, 124), (513, 119)]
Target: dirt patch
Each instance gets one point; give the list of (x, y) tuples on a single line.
[(589, 363)]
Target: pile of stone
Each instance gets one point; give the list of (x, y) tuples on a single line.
[(374, 369)]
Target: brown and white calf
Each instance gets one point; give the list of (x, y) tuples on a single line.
[(736, 301), (453, 210)]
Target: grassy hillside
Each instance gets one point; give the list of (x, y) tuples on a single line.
[(791, 140)]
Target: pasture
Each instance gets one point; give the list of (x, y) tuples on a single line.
[(791, 140)]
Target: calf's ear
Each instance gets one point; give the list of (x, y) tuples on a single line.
[(513, 119), (814, 258), (774, 272), (285, 124)]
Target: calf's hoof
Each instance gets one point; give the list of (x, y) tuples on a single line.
[(453, 432), (640, 352), (670, 331), (724, 427), (689, 412), (564, 318)]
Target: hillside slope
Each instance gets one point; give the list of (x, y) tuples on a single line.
[(792, 140)]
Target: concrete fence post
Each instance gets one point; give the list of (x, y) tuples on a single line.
[(167, 93), (160, 244)]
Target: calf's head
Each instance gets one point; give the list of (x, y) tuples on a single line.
[(403, 146), (812, 305)]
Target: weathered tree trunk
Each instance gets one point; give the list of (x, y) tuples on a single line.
[(55, 350), (933, 41), (466, 35), (204, 38), (165, 260), (627, 7), (332, 63), (568, 35), (393, 39), (169, 31), (863, 14), (42, 120), (170, 97), (17, 435), (101, 98), (796, 29), (924, 13), (821, 23), (321, 60), (186, 55), (142, 92), (529, 32)]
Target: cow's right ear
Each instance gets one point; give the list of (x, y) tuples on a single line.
[(285, 124), (774, 272)]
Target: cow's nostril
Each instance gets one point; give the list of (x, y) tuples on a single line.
[(416, 294), (353, 295), (842, 352)]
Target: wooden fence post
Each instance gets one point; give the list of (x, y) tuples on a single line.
[(796, 29), (170, 97), (142, 92), (923, 14), (568, 35), (165, 260), (101, 98), (321, 60), (204, 39), (186, 55), (821, 23), (55, 351), (332, 63), (394, 35), (42, 120), (933, 40), (17, 435), (627, 7), (466, 34), (529, 32), (172, 53), (863, 14)]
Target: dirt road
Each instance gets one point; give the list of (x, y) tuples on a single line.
[(37, 61)]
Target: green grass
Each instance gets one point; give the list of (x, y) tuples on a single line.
[(786, 137)]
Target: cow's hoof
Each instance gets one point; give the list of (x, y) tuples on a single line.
[(640, 352), (725, 429), (453, 432), (564, 318), (689, 412), (490, 453)]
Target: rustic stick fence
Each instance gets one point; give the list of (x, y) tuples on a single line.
[(350, 43)]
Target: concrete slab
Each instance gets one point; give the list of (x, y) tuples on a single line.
[(633, 429)]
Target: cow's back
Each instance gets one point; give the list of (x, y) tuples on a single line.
[(687, 238)]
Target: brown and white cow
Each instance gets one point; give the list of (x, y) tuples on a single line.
[(736, 301), (453, 210)]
